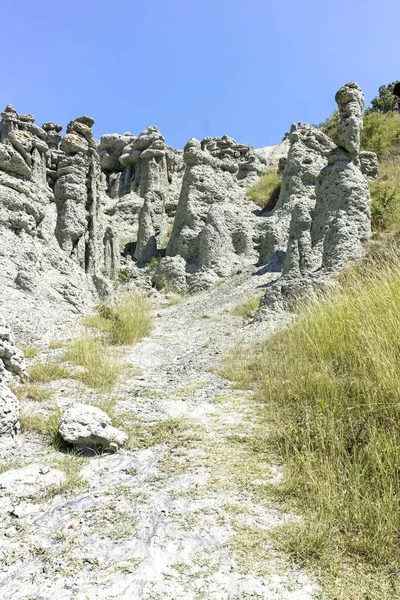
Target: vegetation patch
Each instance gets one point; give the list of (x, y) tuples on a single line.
[(265, 192), (248, 307), (47, 371), (30, 351), (101, 371), (127, 322), (328, 388), (46, 424), (32, 391)]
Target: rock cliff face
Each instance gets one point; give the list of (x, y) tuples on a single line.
[(73, 211)]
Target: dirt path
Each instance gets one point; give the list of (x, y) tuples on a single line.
[(179, 518)]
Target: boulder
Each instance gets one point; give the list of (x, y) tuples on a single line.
[(89, 427)]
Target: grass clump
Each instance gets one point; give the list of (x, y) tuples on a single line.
[(47, 371), (33, 391), (101, 371), (265, 192), (30, 351), (56, 344), (330, 394), (127, 322), (248, 307), (46, 424)]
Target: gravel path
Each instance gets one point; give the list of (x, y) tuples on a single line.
[(180, 519)]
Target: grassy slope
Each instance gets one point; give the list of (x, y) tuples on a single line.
[(328, 389)]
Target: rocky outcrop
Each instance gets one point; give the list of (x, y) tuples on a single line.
[(143, 178), (214, 227), (12, 363), (329, 211), (308, 154), (90, 427), (55, 240)]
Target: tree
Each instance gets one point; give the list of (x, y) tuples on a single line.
[(383, 102)]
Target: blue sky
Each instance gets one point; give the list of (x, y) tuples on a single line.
[(247, 68)]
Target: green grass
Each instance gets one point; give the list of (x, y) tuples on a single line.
[(385, 196), (127, 322), (44, 424), (47, 371), (33, 391), (30, 351), (101, 370), (329, 391), (248, 307), (265, 192), (56, 344)]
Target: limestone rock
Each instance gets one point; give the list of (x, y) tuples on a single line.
[(308, 154), (369, 165), (30, 481), (325, 195), (90, 427), (350, 101), (9, 411), (342, 212), (12, 363), (214, 226)]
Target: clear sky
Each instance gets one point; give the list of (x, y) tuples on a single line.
[(247, 68)]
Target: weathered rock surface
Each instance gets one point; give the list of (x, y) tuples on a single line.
[(51, 223), (12, 363), (214, 226), (325, 197), (90, 427)]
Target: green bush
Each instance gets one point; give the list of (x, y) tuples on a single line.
[(385, 197), (381, 133), (265, 192)]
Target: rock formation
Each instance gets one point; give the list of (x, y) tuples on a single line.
[(73, 211), (12, 363), (143, 177), (51, 222), (329, 209), (214, 227)]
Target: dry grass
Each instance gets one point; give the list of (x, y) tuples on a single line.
[(248, 307), (265, 192), (47, 371), (127, 322), (329, 391), (101, 371)]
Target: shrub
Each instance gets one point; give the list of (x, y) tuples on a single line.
[(265, 192), (381, 133)]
